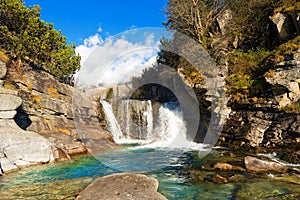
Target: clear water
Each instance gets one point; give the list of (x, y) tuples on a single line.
[(171, 167), (168, 157)]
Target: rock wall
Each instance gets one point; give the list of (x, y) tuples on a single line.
[(263, 122), (38, 107)]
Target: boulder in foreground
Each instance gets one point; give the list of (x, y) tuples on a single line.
[(123, 186)]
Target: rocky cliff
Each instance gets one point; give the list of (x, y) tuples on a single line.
[(269, 120), (37, 122)]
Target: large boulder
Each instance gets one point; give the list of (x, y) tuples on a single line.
[(284, 25), (22, 148), (258, 165), (123, 186)]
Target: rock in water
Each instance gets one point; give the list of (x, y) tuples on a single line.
[(257, 165), (123, 186), (22, 148)]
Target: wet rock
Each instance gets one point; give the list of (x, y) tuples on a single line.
[(290, 179), (9, 102), (257, 165), (95, 139), (219, 179), (125, 186), (226, 166), (238, 178), (60, 155), (65, 143)]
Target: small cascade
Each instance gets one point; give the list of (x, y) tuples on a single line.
[(149, 116), (171, 129), (112, 122)]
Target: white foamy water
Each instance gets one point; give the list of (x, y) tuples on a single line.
[(167, 131), (112, 122)]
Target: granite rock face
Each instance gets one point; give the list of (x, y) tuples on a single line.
[(21, 148), (285, 80), (125, 186), (262, 122), (9, 102), (287, 24), (257, 165), (37, 124)]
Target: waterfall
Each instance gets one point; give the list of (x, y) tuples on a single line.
[(134, 117), (171, 128), (137, 121), (111, 120)]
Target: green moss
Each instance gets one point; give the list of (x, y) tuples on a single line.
[(110, 93)]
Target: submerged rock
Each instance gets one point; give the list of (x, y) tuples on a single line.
[(226, 166), (57, 189), (219, 179), (122, 186)]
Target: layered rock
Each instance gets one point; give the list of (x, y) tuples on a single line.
[(37, 124), (122, 186), (285, 80), (262, 122)]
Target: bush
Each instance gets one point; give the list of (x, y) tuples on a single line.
[(245, 68)]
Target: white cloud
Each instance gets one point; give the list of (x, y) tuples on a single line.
[(88, 46), (118, 58), (99, 30)]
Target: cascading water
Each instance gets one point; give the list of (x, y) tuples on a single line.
[(112, 122), (133, 120)]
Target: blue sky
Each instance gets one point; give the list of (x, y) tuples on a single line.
[(80, 19), (108, 54)]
